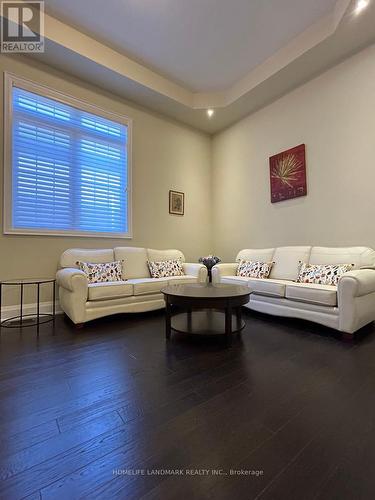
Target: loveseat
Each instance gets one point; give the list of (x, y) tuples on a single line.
[(137, 292), (345, 307)]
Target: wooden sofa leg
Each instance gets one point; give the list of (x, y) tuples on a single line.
[(78, 326), (347, 337)]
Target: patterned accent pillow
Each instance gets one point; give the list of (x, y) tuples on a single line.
[(322, 274), (254, 269), (165, 268), (102, 273)]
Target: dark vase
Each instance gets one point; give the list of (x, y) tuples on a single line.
[(210, 261)]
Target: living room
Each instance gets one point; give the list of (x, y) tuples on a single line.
[(187, 286)]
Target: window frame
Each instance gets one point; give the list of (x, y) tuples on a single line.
[(10, 81)]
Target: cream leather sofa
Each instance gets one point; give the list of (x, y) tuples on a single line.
[(347, 307), (138, 292)]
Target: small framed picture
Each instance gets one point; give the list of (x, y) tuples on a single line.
[(176, 202)]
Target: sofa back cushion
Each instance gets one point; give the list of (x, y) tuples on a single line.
[(96, 256), (160, 255), (135, 262), (256, 254), (359, 256), (286, 262)]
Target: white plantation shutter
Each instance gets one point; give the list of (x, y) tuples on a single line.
[(69, 169)]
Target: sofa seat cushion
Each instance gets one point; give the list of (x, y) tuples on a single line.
[(109, 290), (181, 280), (144, 286), (235, 280), (269, 287), (325, 295)]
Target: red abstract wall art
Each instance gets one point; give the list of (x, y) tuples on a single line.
[(288, 174)]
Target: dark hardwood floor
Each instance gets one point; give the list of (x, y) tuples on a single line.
[(84, 412)]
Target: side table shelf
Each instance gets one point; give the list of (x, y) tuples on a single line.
[(35, 319)]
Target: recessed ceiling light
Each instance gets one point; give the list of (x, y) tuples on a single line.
[(210, 113), (361, 5)]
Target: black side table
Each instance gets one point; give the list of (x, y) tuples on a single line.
[(37, 318)]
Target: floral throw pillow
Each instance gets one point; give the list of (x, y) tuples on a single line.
[(165, 268), (102, 273), (322, 274), (254, 269)]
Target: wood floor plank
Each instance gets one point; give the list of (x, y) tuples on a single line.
[(176, 452), (11, 443), (57, 444), (288, 398)]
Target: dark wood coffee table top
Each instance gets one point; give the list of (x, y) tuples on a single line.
[(202, 291)]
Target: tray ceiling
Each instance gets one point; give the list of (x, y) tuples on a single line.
[(180, 58)]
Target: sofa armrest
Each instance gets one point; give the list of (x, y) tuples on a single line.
[(357, 283), (356, 299), (194, 269), (227, 269), (72, 279)]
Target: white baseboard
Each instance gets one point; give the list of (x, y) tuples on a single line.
[(14, 310)]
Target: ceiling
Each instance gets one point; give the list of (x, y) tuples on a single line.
[(180, 57), (205, 45)]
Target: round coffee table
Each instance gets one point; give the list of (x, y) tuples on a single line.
[(219, 309)]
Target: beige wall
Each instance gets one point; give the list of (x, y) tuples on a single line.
[(166, 156), (334, 115)]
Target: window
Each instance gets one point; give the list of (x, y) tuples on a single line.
[(67, 165)]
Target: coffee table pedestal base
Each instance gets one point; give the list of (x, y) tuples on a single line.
[(205, 323)]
